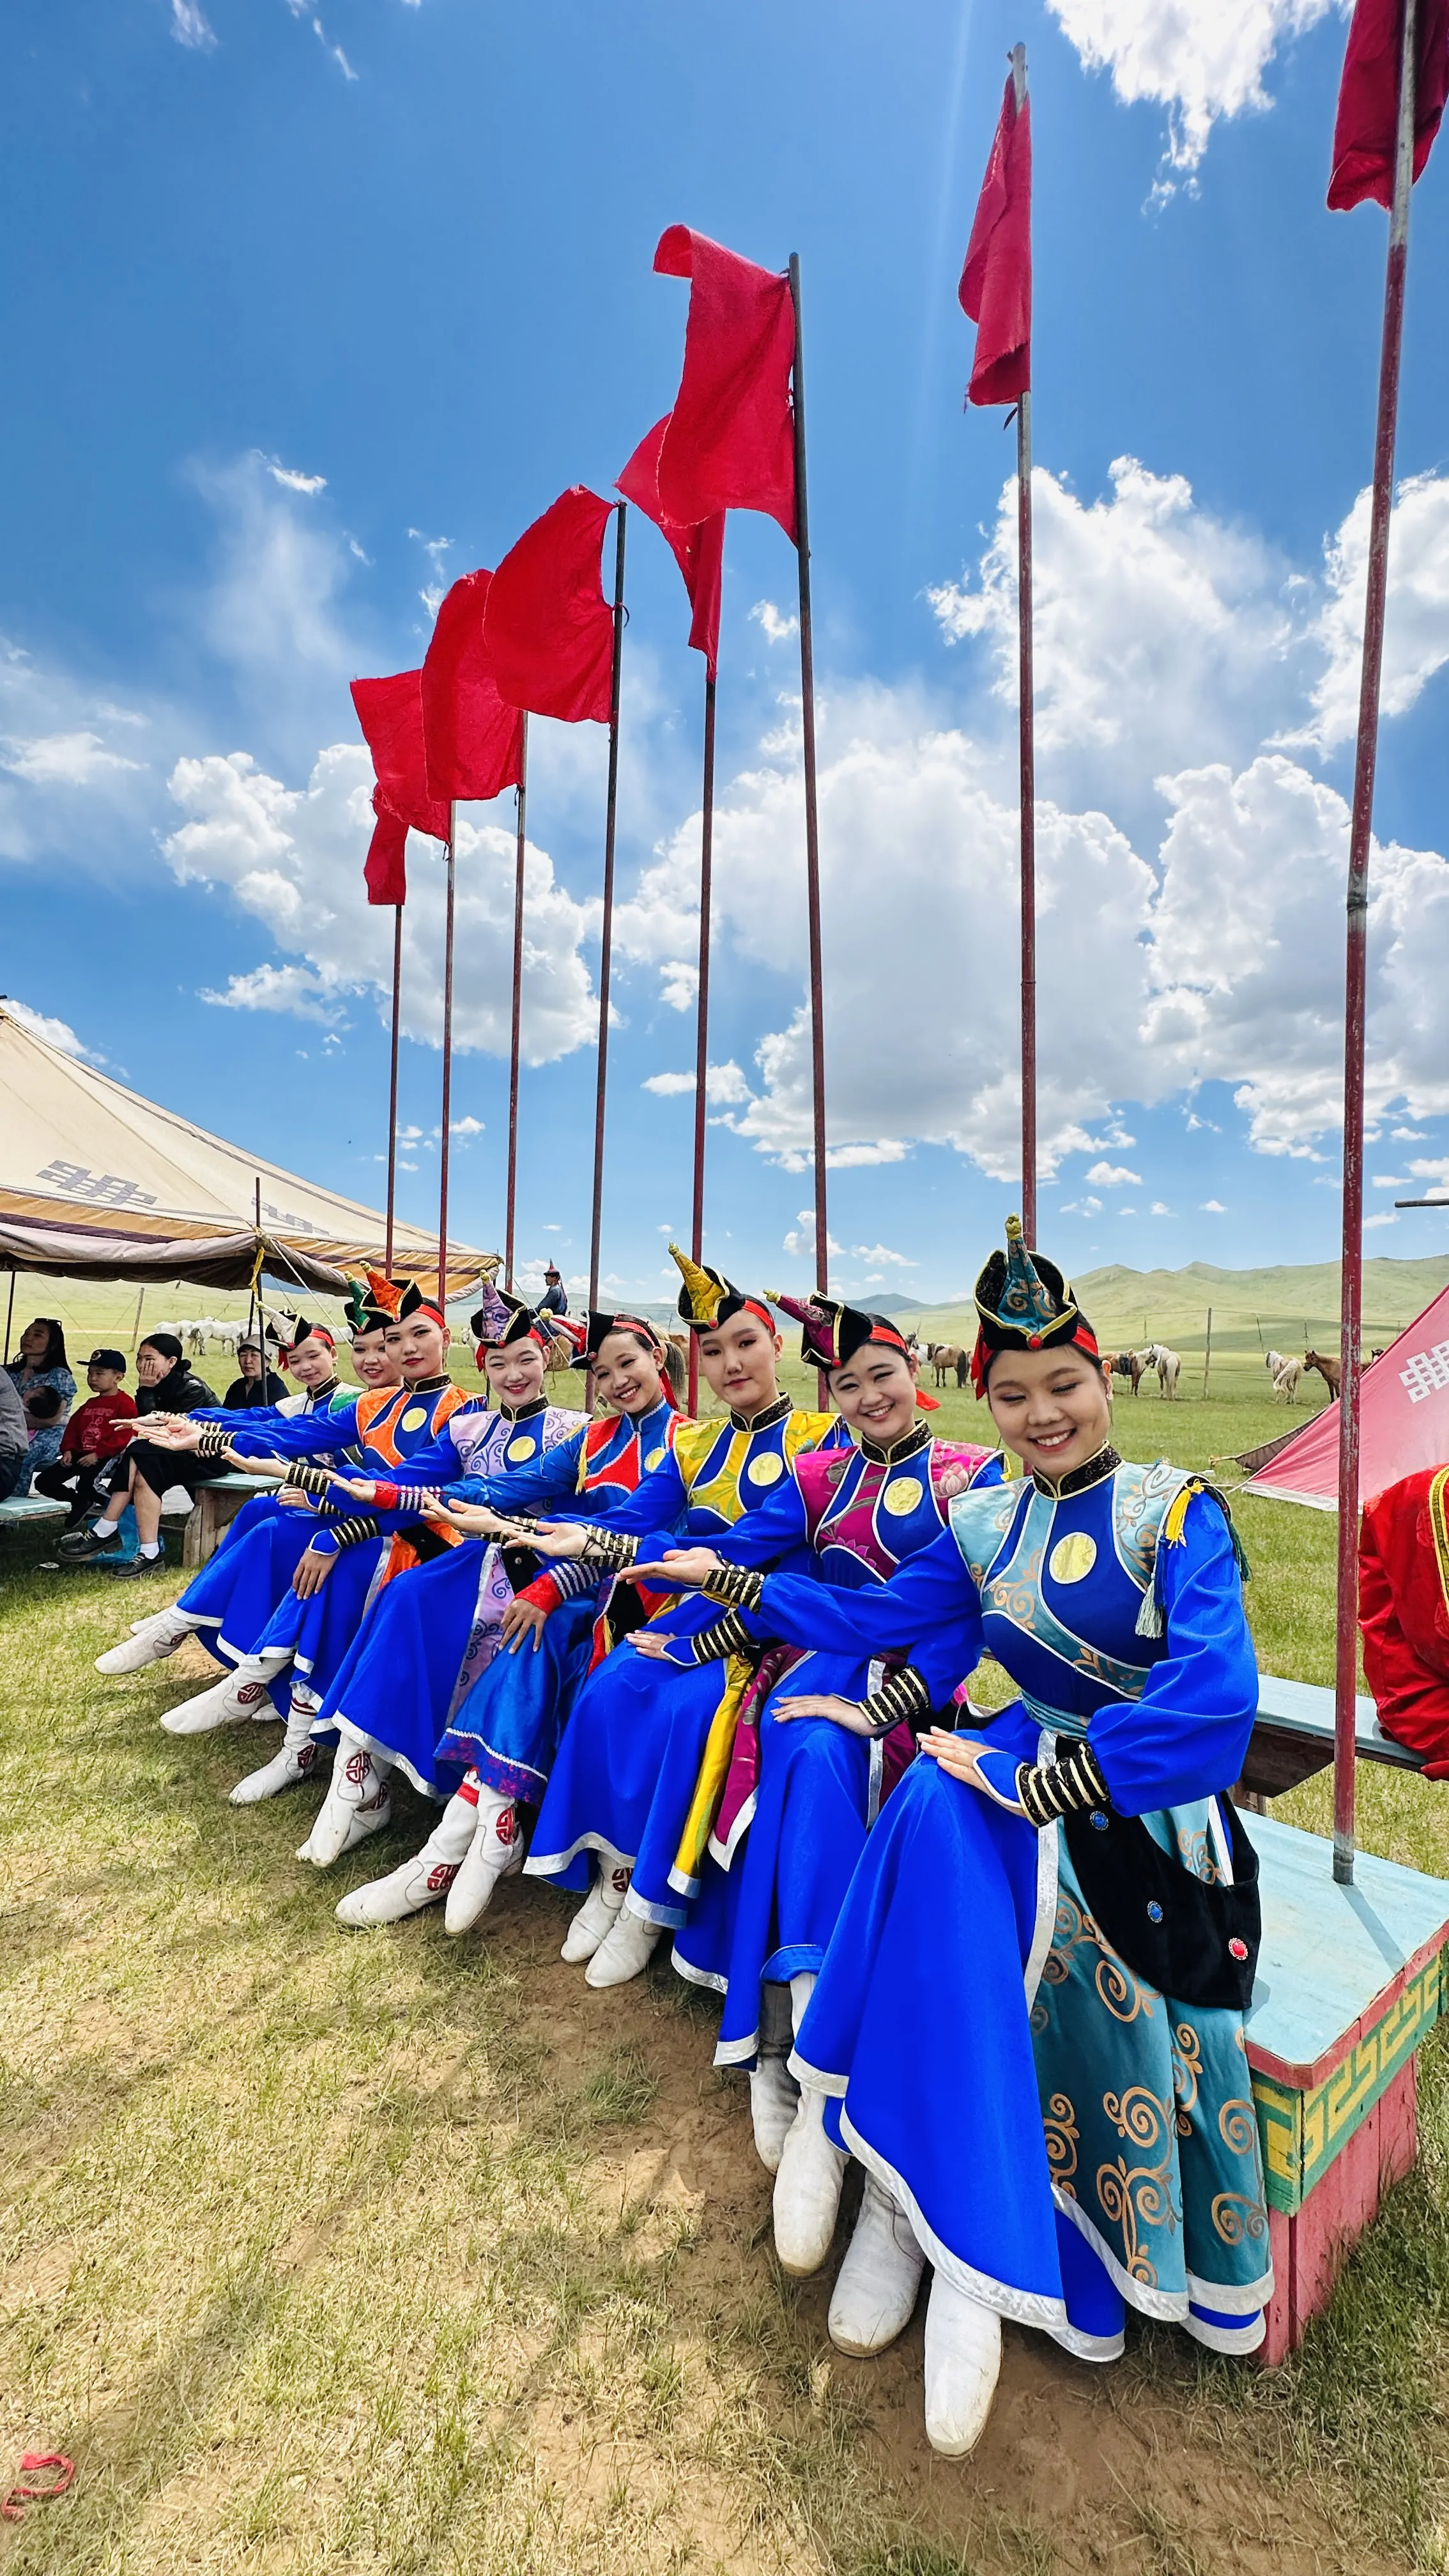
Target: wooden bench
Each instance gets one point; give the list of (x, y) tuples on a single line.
[(1293, 1738), (27, 1511), (216, 1507), (1350, 1982)]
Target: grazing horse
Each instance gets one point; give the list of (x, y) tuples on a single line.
[(1274, 1362), (1328, 1369), (1285, 1379)]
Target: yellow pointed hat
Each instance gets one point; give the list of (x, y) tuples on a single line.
[(707, 1298)]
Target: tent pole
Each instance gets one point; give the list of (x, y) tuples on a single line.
[(701, 1040), (1356, 971), (447, 1072), (135, 1328), (517, 1032), (10, 1317), (606, 949)]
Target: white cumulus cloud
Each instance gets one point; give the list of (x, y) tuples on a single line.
[(1200, 59)]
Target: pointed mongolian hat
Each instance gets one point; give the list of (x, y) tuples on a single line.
[(504, 1319), (1023, 1303), (831, 1334), (708, 1299)]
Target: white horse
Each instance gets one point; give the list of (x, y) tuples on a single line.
[(1168, 1365), (1286, 1380)]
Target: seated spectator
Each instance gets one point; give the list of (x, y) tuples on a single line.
[(40, 1372), (144, 1474), (255, 1385), (14, 1439), (95, 1433), (1403, 1613)]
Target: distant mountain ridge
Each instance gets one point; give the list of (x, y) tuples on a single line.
[(1284, 1307)]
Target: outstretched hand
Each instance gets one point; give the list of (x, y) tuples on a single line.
[(363, 1489), (682, 1568), (479, 1520), (559, 1538)]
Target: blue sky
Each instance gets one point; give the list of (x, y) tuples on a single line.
[(290, 300)]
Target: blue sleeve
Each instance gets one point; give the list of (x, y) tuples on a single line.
[(930, 1610), (653, 1512), (547, 1482), (775, 1528), (437, 1464), (303, 1435), (1187, 1736)]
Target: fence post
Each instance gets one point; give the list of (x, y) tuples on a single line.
[(1207, 1357)]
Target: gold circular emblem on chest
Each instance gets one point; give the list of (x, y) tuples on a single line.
[(523, 1447), (414, 1418), (656, 1458), (1073, 1557), (767, 1470), (902, 1495)]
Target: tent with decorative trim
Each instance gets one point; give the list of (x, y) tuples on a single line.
[(98, 1183), (1403, 1424)]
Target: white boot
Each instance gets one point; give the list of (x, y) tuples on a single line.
[(358, 1803), (296, 1762), (624, 1952), (963, 2360), (807, 2188), (597, 1915), (495, 1852), (244, 1692), (876, 2286), (418, 1883), (150, 1641), (774, 2101)]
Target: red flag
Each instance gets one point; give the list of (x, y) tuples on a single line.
[(548, 630), (995, 289), (386, 873), (698, 551), (730, 439), (390, 713), (473, 743), (1366, 127)]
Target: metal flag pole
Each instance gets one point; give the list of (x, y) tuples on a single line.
[(812, 822), (521, 793), (1355, 979), (701, 1021), (607, 933), (392, 1084), (1028, 769), (447, 1071)]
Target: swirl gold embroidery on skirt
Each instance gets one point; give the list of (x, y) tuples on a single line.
[(1238, 2127), (1237, 2219), (1062, 2140), (1186, 2073)]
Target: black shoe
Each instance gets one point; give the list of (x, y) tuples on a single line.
[(82, 1549), (138, 1565)]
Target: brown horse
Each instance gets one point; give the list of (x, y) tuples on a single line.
[(1127, 1364), (945, 1356), (1328, 1369)]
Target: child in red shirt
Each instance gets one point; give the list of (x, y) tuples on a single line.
[(96, 1432)]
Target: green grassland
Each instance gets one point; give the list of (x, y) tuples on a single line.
[(330, 2253)]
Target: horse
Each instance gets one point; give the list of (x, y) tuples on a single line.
[(1168, 1365), (1274, 1362), (1285, 1380), (1328, 1369), (1128, 1364)]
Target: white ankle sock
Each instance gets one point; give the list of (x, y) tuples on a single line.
[(104, 1529), (149, 1548)]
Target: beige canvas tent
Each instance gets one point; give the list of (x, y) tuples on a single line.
[(97, 1183)]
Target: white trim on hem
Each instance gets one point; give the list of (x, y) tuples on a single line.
[(1244, 2339), (1019, 2307), (395, 1761), (1167, 2307), (697, 1976), (553, 1864)]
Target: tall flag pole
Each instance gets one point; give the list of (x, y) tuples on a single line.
[(397, 929), (447, 1068), (995, 293), (390, 712), (473, 749), (701, 1015), (606, 940), (699, 553), (521, 793), (812, 819), (555, 648), (1391, 98)]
